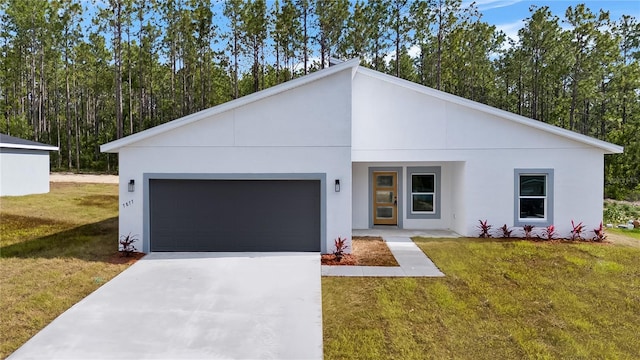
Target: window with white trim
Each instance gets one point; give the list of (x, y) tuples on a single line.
[(423, 192), (533, 197)]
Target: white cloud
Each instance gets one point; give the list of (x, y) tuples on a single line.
[(511, 29), (310, 62), (414, 51), (483, 5)]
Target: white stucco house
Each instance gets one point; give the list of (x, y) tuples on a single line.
[(24, 166), (297, 165)]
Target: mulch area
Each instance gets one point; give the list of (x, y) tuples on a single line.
[(330, 259), (120, 258), (366, 251)]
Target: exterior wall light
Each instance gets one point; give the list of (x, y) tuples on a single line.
[(132, 185), (337, 185)]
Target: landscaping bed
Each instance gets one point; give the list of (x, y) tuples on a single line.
[(367, 251)]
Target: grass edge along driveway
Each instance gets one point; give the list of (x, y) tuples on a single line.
[(500, 299), (55, 249)]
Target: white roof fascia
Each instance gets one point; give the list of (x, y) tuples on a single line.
[(114, 146), (29, 147), (609, 148)]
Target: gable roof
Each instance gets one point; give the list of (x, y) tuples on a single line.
[(609, 148), (8, 141), (114, 146)]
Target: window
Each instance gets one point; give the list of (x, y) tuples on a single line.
[(423, 192), (533, 197)]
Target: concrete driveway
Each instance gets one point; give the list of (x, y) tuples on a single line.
[(195, 306)]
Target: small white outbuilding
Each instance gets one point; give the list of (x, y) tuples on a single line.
[(295, 166), (24, 166)]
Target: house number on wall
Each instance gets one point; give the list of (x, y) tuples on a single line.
[(127, 204)]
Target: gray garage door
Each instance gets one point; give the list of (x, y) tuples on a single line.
[(234, 215)]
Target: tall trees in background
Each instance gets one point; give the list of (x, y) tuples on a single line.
[(78, 76), (233, 12), (331, 16), (254, 20), (287, 37)]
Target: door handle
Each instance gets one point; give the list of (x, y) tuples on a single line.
[(395, 201)]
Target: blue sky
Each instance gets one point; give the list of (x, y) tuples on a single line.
[(508, 15)]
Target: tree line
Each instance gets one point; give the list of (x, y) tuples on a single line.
[(78, 75)]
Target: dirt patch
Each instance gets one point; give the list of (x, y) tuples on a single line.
[(83, 178), (347, 259), (366, 251), (623, 240), (120, 258)]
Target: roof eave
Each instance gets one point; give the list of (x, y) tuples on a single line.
[(29, 147)]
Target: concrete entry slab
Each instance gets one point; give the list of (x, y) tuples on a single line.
[(195, 305), (391, 231)]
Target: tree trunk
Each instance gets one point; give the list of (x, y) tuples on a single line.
[(305, 44), (67, 102), (117, 40)]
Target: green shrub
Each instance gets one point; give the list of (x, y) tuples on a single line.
[(620, 212)]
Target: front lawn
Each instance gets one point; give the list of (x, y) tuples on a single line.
[(499, 300), (55, 249)]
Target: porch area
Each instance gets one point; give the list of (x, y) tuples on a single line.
[(393, 232), (422, 197)]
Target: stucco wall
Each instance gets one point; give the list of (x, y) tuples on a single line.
[(23, 172), (578, 186), (482, 188), (304, 130), (390, 118), (458, 188), (479, 151)]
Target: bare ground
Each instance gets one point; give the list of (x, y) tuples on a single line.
[(83, 178), (622, 240), (366, 251)]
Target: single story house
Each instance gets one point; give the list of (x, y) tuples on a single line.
[(295, 166), (24, 166)]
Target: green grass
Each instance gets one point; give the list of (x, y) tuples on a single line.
[(499, 300), (55, 249)]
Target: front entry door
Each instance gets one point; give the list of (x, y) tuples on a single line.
[(385, 198)]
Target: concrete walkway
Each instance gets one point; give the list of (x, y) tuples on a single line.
[(194, 306), (413, 262)]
